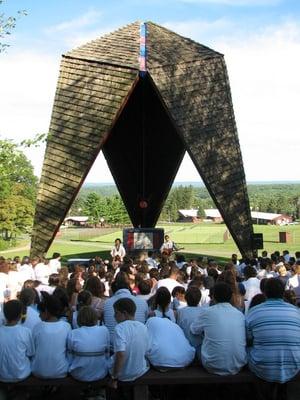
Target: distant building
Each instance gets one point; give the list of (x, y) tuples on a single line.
[(76, 221), (262, 218), (213, 214), (188, 215)]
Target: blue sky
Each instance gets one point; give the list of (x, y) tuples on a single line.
[(259, 38)]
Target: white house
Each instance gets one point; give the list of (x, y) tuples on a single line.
[(188, 215), (76, 221), (258, 217)]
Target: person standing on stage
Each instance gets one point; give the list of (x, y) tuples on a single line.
[(118, 250)]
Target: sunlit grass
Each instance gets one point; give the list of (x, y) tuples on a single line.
[(204, 239)]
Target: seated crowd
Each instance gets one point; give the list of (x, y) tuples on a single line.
[(119, 318)]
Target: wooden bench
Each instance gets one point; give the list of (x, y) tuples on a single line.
[(188, 376), (193, 375)]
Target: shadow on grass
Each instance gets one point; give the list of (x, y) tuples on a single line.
[(104, 254), (218, 259), (109, 243), (90, 241)]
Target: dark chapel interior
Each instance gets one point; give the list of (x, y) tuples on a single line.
[(144, 152)]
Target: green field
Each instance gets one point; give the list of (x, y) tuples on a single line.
[(205, 239)]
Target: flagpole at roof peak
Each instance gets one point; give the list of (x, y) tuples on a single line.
[(143, 49)]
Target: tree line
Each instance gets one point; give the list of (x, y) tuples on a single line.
[(18, 189), (95, 201)]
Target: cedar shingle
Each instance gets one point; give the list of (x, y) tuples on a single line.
[(95, 81)]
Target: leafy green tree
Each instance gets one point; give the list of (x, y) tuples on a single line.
[(77, 207), (181, 197), (116, 211), (297, 206), (17, 191), (16, 215), (94, 207), (200, 207), (16, 172)]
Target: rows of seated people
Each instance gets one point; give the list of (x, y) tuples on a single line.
[(120, 318)]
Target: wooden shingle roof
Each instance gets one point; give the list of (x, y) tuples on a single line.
[(97, 79), (122, 47), (87, 101)]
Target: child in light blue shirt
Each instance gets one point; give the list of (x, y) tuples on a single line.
[(50, 339), (162, 303), (32, 318), (16, 345), (187, 315), (130, 344), (89, 347), (168, 347)]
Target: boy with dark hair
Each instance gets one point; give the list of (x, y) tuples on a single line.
[(273, 333), (222, 293), (54, 263), (120, 288), (151, 259), (130, 344), (16, 345), (144, 287), (193, 296), (251, 284), (187, 315), (178, 294), (171, 282), (50, 339), (223, 351)]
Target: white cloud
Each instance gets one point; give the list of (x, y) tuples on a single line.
[(263, 71), (78, 31), (87, 19), (28, 83)]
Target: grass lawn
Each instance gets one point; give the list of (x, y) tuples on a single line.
[(204, 239)]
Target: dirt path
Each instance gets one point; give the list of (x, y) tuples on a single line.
[(16, 249)]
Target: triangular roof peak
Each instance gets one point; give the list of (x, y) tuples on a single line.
[(122, 47)]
